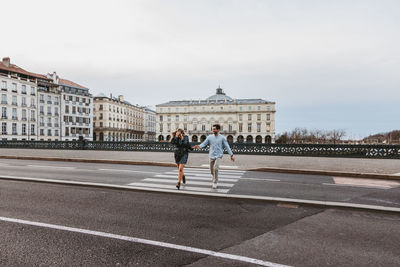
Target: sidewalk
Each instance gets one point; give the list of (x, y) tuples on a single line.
[(245, 162)]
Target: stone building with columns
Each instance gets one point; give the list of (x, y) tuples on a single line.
[(241, 120)]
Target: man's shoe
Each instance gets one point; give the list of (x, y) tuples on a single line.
[(214, 186)]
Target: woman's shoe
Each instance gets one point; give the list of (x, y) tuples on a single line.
[(184, 179), (178, 185)]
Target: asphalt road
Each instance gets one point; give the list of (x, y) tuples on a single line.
[(274, 234), (294, 186)]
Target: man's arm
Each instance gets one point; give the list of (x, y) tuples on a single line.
[(228, 149), (204, 144)]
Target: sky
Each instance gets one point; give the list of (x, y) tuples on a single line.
[(326, 64)]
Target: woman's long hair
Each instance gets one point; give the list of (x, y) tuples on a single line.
[(174, 133)]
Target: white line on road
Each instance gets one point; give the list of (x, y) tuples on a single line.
[(208, 172), (144, 241), (397, 174), (207, 169), (119, 170), (190, 178), (204, 174), (189, 182), (222, 166), (53, 167), (184, 187), (362, 186), (260, 179)]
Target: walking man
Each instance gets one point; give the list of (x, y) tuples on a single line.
[(217, 143)]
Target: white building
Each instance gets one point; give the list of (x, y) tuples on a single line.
[(32, 106), (241, 120), (76, 109), (149, 124), (18, 101)]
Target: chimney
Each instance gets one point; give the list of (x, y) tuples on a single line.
[(6, 61)]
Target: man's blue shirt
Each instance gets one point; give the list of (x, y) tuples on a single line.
[(217, 144)]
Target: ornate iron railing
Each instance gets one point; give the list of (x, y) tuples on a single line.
[(313, 150)]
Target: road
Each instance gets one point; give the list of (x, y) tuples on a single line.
[(384, 193), (103, 224)]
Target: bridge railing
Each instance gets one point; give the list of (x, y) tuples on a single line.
[(313, 150)]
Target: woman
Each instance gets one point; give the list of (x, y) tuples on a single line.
[(182, 147)]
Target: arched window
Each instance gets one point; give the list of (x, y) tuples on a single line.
[(258, 139), (202, 138), (230, 139), (268, 139), (161, 138), (249, 139), (194, 138), (240, 139)]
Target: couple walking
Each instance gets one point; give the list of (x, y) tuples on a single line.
[(216, 142)]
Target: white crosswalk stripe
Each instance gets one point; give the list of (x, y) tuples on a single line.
[(196, 180)]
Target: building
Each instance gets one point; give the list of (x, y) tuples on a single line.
[(19, 101), (32, 106), (117, 120), (149, 124), (241, 120), (76, 110)]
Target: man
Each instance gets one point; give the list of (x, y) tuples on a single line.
[(217, 143)]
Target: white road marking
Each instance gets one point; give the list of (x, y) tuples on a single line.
[(260, 179), (221, 166), (361, 186), (144, 241), (189, 182), (208, 172), (119, 170), (4, 164), (51, 167), (190, 178), (397, 174), (204, 174), (183, 187)]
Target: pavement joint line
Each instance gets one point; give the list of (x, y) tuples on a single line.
[(119, 170), (144, 241), (169, 164), (362, 186), (331, 204), (49, 166)]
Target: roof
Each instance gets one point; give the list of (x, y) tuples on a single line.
[(14, 68), (219, 98), (72, 84)]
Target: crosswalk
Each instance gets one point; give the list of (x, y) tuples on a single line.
[(197, 179)]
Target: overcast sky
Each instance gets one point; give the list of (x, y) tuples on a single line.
[(326, 64)]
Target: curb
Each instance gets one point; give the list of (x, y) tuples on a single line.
[(277, 200), (168, 164)]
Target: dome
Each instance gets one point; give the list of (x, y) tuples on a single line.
[(219, 95)]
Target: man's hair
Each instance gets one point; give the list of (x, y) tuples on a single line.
[(217, 126)]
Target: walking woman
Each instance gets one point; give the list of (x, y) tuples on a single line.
[(182, 147)]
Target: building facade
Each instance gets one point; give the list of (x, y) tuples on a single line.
[(149, 124), (241, 120), (117, 120), (32, 107)]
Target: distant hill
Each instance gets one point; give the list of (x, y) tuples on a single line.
[(392, 137)]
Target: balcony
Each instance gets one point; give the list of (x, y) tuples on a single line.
[(49, 102), (41, 101), (56, 114), (23, 105), (4, 102), (14, 118), (4, 133), (14, 104), (41, 112), (4, 117), (33, 94), (33, 119), (49, 124), (42, 124), (48, 113), (56, 125), (24, 119)]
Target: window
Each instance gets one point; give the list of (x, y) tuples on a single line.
[(32, 129), (240, 117), (249, 107), (101, 107), (258, 127), (33, 90), (203, 127), (249, 127), (41, 98), (33, 117), (41, 110), (24, 114), (32, 102), (56, 111), (14, 114), (4, 128), (240, 127), (268, 117), (49, 132), (268, 127), (161, 118), (14, 87), (23, 129), (55, 132), (14, 129), (23, 89), (177, 118), (56, 100), (41, 132), (241, 108), (49, 99), (258, 107), (4, 113), (4, 99), (14, 100), (66, 109), (230, 128), (249, 117), (49, 111), (3, 85), (258, 117), (23, 101)]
